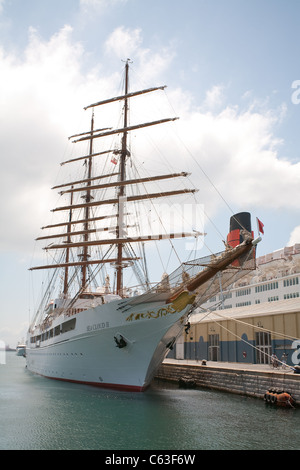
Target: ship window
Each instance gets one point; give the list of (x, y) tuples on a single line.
[(291, 282), (86, 296), (243, 304), (68, 325), (241, 292), (291, 295), (57, 330)]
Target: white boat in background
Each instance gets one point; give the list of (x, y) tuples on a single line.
[(117, 336), (21, 350)]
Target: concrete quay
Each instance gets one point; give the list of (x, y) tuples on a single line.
[(243, 379)]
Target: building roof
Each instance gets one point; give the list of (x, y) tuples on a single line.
[(283, 253), (265, 308)]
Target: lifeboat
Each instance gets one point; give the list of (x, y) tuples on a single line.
[(279, 398)]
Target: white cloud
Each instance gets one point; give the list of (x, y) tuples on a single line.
[(214, 98), (294, 237), (45, 91), (40, 92), (98, 3), (240, 153), (89, 6), (123, 42), (126, 43)]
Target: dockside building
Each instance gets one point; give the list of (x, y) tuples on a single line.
[(253, 319)]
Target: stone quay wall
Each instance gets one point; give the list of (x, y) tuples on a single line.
[(240, 381)]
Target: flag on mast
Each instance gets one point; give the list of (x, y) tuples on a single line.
[(260, 226)]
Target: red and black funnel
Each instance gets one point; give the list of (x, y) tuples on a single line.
[(238, 223)]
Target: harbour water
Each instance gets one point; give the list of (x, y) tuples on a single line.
[(41, 414)]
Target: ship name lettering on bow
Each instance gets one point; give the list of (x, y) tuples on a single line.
[(97, 326)]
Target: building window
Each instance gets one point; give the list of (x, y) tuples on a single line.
[(241, 292), (213, 347), (243, 304), (265, 287), (263, 347), (291, 282), (292, 295), (227, 295)]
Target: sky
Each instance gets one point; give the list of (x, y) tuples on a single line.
[(233, 77)]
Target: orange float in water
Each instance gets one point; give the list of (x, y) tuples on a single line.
[(279, 398)]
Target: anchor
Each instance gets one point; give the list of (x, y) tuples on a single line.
[(120, 342)]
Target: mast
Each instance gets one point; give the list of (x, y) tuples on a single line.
[(89, 184), (88, 198), (120, 218), (66, 277)]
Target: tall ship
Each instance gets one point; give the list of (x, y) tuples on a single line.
[(94, 324)]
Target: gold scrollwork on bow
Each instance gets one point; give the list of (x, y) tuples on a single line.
[(177, 305)]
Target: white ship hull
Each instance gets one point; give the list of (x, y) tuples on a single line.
[(89, 353)]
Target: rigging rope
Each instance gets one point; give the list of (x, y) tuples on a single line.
[(209, 312), (202, 170), (251, 345)]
